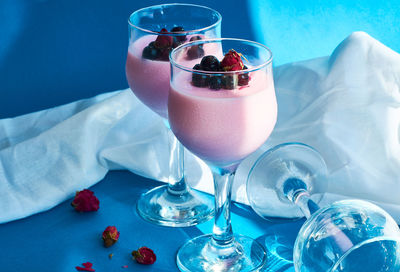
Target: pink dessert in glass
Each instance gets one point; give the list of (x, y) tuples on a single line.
[(222, 126), (149, 79), (222, 131), (153, 33), (222, 109)]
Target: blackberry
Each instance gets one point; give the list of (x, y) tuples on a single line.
[(210, 63), (229, 82), (197, 67), (150, 52), (176, 42), (180, 38), (195, 52), (164, 54), (177, 29), (200, 80), (216, 82), (195, 38), (243, 78)]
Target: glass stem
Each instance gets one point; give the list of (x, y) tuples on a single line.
[(176, 178), (305, 203), (296, 191), (222, 230), (308, 207)]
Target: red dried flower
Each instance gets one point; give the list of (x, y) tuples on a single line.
[(110, 236), (163, 41), (86, 267), (85, 201), (232, 61), (144, 255)]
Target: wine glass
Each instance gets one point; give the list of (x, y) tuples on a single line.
[(349, 235), (222, 109), (153, 32)]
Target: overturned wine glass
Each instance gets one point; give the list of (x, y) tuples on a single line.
[(349, 235)]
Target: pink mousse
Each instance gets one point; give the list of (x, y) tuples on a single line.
[(224, 126), (149, 79)]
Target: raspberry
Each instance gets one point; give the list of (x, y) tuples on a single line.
[(163, 41), (232, 61)]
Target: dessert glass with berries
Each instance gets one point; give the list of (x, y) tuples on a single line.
[(153, 33), (222, 109)]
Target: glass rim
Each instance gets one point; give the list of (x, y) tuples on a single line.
[(192, 31), (277, 147), (190, 69), (361, 244)]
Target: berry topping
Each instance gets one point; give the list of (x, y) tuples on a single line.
[(165, 54), (216, 82), (197, 67), (150, 52), (232, 61), (200, 80), (195, 52), (243, 78), (163, 41), (210, 63), (163, 45), (179, 29), (195, 38), (229, 82)]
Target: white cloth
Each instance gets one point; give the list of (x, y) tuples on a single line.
[(347, 106)]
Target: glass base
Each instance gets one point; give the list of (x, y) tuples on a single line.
[(161, 207), (203, 254)]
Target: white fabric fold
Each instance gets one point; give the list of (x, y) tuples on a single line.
[(347, 106)]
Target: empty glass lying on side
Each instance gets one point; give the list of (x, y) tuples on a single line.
[(349, 235)]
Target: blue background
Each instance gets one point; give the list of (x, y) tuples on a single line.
[(57, 51)]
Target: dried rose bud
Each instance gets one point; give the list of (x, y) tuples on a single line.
[(86, 267), (85, 201), (110, 236), (232, 61), (144, 255)]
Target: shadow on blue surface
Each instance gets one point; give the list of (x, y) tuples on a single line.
[(278, 237)]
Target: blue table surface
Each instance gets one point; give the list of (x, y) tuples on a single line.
[(61, 238)]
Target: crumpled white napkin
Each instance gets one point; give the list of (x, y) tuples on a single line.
[(347, 106)]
